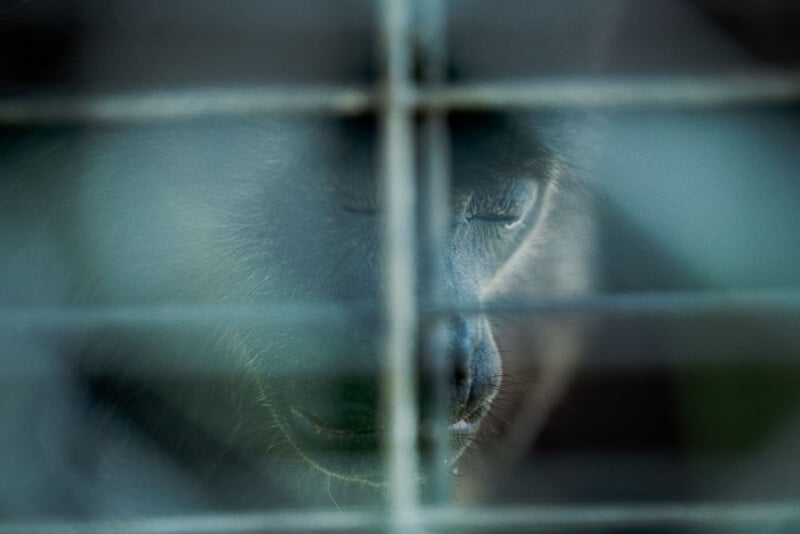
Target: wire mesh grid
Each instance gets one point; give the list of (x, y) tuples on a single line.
[(396, 99)]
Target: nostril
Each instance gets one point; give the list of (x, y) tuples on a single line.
[(460, 386), (461, 375), (464, 341)]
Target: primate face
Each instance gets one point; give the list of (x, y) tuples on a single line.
[(287, 212), (329, 407)]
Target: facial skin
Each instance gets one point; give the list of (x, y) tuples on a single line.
[(267, 212)]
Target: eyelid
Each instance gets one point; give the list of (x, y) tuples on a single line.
[(507, 207), (493, 220), (495, 217), (497, 211)]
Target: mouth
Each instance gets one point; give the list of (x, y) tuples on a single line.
[(352, 449), (336, 426), (312, 424), (468, 424), (319, 434)]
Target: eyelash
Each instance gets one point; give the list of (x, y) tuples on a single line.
[(498, 215), (505, 218)]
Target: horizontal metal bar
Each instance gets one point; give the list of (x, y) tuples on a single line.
[(175, 314), (646, 303), (184, 104), (689, 92), (653, 92), (287, 311), (781, 515), (301, 521)]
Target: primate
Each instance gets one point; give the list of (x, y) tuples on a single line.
[(133, 416), (190, 310), (206, 293)]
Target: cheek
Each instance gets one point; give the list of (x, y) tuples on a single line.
[(331, 263), (311, 249), (475, 256), (326, 264), (304, 348)]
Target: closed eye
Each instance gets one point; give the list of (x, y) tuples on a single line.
[(507, 221), (504, 218), (502, 204)]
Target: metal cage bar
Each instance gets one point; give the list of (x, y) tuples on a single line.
[(435, 195), (782, 516), (399, 267), (762, 300), (185, 104), (655, 92)]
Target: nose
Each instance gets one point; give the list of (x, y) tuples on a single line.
[(467, 375), (464, 337)]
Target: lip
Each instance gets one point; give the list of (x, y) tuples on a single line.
[(463, 426), (468, 424), (355, 453), (310, 423)]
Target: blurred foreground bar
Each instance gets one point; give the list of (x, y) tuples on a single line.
[(648, 93)]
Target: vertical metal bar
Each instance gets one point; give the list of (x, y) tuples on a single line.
[(435, 197), (399, 268)]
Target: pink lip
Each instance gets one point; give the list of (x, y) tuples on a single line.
[(462, 426)]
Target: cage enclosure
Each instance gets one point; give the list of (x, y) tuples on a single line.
[(297, 265)]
